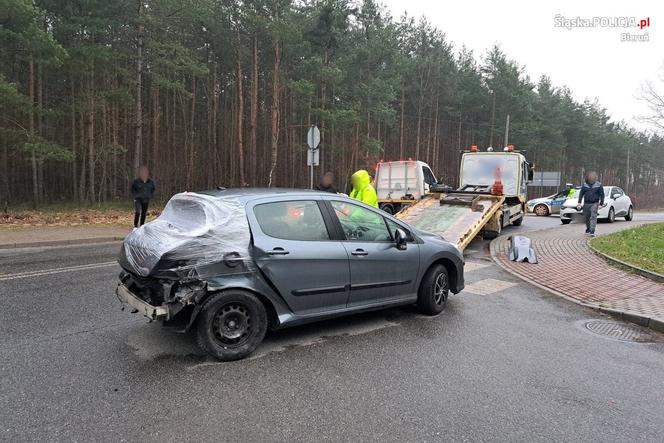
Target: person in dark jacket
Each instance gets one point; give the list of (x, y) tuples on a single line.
[(142, 191), (592, 195), (327, 183)]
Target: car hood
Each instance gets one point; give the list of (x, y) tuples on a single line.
[(193, 235), (534, 201)]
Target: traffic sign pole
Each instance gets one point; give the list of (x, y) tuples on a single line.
[(313, 140)]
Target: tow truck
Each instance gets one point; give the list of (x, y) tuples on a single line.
[(491, 195), (401, 183)]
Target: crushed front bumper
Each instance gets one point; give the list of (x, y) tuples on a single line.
[(128, 298)]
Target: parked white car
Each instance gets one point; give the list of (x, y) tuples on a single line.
[(616, 204)]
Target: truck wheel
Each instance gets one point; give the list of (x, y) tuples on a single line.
[(518, 221), (387, 208), (231, 325), (434, 289)]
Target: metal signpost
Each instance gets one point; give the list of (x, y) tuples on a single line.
[(313, 153)]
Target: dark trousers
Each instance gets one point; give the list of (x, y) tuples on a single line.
[(590, 216), (141, 210)]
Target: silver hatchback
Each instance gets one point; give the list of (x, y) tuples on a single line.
[(231, 263)]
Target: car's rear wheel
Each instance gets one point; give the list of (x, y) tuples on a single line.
[(231, 325), (434, 289), (630, 214), (612, 215), (541, 210), (565, 221)]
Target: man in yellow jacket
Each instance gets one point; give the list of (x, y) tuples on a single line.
[(362, 189)]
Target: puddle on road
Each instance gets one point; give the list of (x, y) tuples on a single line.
[(152, 342)]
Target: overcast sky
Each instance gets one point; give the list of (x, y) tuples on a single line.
[(593, 62)]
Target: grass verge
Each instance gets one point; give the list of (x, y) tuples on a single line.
[(642, 246), (119, 213)]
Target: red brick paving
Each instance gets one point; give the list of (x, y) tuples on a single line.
[(568, 266)]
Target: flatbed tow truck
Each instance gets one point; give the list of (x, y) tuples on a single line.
[(491, 195)]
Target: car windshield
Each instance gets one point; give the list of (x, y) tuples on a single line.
[(483, 169), (607, 189)]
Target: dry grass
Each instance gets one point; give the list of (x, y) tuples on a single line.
[(109, 214)]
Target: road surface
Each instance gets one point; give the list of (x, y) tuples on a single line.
[(506, 362)]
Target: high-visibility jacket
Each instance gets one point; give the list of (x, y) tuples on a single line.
[(362, 189)]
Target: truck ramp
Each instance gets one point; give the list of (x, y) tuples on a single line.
[(457, 217)]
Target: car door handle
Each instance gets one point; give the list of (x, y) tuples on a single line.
[(360, 252), (278, 251)]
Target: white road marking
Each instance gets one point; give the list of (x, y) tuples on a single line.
[(38, 273), (474, 266), (488, 286)]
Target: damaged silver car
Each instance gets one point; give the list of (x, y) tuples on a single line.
[(229, 264)]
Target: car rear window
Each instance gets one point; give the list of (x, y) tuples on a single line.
[(185, 213), (292, 220)]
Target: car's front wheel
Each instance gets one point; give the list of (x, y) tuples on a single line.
[(630, 214), (541, 210), (612, 215), (231, 325), (434, 289), (565, 221)]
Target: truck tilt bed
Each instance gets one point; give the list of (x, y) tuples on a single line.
[(458, 217)]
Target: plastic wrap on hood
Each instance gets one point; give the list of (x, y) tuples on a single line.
[(196, 235)]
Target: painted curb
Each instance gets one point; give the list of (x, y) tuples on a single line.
[(641, 320), (659, 278), (78, 241)]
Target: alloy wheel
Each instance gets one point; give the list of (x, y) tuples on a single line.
[(440, 289)]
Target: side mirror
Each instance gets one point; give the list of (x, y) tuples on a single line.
[(531, 173), (401, 239)]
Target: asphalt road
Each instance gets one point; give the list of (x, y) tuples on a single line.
[(513, 365)]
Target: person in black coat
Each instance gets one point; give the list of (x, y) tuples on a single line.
[(142, 191), (327, 183)]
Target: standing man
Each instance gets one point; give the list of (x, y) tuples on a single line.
[(592, 194), (142, 191), (327, 183), (362, 189)]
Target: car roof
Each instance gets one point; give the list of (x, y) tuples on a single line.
[(248, 194)]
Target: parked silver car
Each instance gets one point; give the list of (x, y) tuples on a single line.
[(231, 263)]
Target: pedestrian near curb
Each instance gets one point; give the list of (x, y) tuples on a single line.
[(142, 191), (592, 196)]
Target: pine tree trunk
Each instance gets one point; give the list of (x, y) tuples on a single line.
[(401, 133), (253, 114), (33, 154), (139, 79), (240, 118), (275, 111), (91, 134)]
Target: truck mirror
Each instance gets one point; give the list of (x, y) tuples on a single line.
[(531, 173)]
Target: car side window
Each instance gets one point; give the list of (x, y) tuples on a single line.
[(391, 226), (359, 223), (617, 192), (292, 220)]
